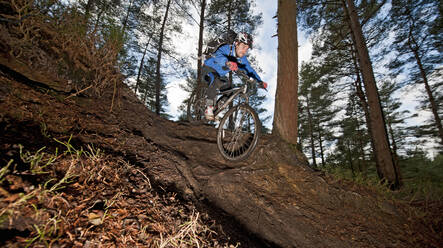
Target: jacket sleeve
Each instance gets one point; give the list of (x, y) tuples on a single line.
[(219, 59), (249, 70)]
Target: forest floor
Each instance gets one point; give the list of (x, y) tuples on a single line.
[(58, 192)]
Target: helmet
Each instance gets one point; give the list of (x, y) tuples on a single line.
[(244, 38)]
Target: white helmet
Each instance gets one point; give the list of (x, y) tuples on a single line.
[(244, 38)]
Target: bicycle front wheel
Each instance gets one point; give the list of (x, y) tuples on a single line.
[(238, 133)]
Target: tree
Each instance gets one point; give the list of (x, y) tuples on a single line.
[(148, 84), (384, 160), (417, 40), (395, 119), (323, 16), (286, 99), (145, 34), (159, 58), (317, 112), (354, 138)]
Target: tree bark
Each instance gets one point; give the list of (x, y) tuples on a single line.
[(322, 153), (200, 44), (351, 164), (286, 98), (140, 68), (125, 21), (384, 159), (159, 57), (364, 104), (311, 131), (88, 9), (394, 143)]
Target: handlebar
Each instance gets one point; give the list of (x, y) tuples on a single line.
[(243, 74)]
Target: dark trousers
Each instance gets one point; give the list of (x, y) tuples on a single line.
[(215, 82)]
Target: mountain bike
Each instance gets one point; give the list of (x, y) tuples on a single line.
[(239, 128)]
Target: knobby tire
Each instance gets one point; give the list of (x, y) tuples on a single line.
[(243, 151)]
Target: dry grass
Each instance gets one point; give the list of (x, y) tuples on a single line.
[(84, 197), (62, 45)]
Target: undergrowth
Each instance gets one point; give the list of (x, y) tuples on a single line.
[(422, 180), (57, 39), (83, 197)]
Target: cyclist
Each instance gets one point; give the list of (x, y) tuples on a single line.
[(228, 57)]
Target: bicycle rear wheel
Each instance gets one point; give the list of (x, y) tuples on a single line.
[(238, 133), (196, 105)]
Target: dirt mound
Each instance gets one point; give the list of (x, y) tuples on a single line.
[(272, 195)]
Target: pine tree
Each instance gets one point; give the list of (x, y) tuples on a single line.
[(395, 119), (316, 115), (418, 43), (148, 84), (331, 14), (353, 142)]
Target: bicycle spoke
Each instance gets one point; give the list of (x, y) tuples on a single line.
[(238, 133)]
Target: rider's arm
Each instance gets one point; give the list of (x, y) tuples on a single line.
[(219, 59), (249, 70)]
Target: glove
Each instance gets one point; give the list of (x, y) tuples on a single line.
[(264, 85), (232, 66)]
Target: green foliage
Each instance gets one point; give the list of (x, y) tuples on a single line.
[(233, 14), (316, 111), (422, 178), (38, 161), (4, 170)]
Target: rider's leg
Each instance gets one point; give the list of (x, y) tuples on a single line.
[(218, 83), (211, 94), (211, 78)]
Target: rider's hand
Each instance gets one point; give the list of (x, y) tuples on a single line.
[(232, 66), (264, 85)]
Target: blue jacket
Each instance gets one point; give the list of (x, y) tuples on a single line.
[(223, 55)]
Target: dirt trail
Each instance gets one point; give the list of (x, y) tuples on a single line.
[(273, 197)]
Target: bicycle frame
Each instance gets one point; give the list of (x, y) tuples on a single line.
[(236, 91)]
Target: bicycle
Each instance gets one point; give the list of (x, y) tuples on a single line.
[(239, 128)]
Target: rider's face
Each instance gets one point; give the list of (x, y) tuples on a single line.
[(241, 49)]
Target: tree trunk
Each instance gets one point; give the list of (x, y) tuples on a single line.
[(434, 107), (286, 98), (99, 16), (350, 158), (159, 58), (388, 170), (364, 104), (394, 144), (125, 21), (200, 44), (311, 132), (140, 68), (88, 9), (197, 91), (322, 153), (229, 14)]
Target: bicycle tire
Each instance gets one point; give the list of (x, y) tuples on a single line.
[(234, 151), (196, 106)]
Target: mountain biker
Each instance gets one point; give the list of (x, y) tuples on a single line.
[(228, 57)]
